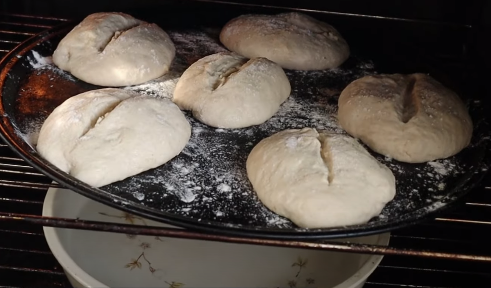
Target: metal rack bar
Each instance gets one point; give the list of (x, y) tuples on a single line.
[(24, 24), (2, 158), (32, 270), (186, 234), (375, 17), (10, 42), (28, 185), (38, 17), (17, 33)]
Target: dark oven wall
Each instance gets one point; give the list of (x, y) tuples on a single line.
[(439, 10)]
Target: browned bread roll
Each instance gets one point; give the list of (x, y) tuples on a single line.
[(292, 40), (411, 118)]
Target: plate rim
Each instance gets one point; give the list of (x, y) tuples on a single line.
[(81, 276)]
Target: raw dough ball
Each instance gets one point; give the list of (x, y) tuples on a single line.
[(103, 136), (293, 40), (226, 90), (115, 49), (411, 118), (319, 180)]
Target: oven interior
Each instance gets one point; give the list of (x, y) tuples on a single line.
[(447, 39)]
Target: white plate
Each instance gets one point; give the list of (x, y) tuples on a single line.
[(102, 259)]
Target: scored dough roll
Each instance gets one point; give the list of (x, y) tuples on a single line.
[(115, 49), (106, 135), (292, 40), (319, 180), (226, 90), (411, 118)]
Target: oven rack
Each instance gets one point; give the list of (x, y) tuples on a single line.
[(462, 234)]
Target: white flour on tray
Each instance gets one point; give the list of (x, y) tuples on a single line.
[(208, 180)]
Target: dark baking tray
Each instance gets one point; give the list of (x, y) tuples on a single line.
[(29, 94)]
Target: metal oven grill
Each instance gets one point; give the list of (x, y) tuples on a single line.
[(25, 259)]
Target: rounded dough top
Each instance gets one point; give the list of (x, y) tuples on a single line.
[(226, 90), (115, 49), (106, 135), (319, 180), (293, 40), (411, 118)]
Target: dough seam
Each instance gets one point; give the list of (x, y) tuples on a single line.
[(325, 153), (100, 118), (229, 74), (409, 104), (289, 178), (116, 35), (224, 77), (411, 118)]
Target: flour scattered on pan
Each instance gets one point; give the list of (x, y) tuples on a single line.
[(208, 182), (442, 167), (195, 43), (162, 87), (30, 133), (40, 63), (224, 188), (37, 61), (139, 195), (421, 184)]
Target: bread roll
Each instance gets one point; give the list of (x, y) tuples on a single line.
[(115, 49), (292, 40), (226, 90), (411, 118), (319, 180), (107, 135)]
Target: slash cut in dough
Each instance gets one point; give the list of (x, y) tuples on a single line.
[(293, 40), (411, 118), (115, 49), (106, 135), (319, 180), (226, 90)]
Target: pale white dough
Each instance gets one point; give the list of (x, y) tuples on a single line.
[(411, 118), (226, 90), (319, 180), (106, 135), (293, 40), (115, 49)]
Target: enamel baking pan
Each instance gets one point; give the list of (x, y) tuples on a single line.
[(205, 188)]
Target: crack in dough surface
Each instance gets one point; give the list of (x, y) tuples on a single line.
[(115, 49), (106, 135)]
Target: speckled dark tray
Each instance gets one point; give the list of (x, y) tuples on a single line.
[(206, 187)]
